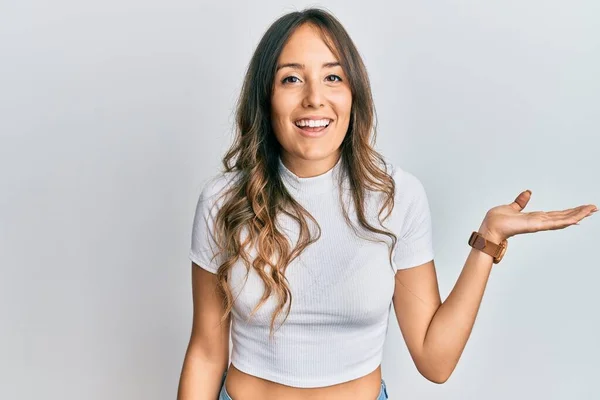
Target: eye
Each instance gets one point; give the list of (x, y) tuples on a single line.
[(340, 79), (285, 80)]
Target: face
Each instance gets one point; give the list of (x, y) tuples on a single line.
[(310, 86)]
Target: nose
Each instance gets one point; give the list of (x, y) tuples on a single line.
[(313, 96)]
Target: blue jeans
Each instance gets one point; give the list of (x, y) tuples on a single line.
[(223, 395)]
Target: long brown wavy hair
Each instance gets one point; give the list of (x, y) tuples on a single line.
[(259, 195)]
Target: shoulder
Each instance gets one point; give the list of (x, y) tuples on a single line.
[(411, 201), (217, 184), (411, 215), (407, 184), (214, 189)]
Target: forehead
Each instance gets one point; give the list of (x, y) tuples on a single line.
[(305, 44)]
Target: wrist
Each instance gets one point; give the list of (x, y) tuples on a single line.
[(488, 232)]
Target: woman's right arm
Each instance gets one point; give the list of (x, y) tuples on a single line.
[(207, 355)]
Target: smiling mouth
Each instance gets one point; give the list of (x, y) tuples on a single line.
[(313, 129), (313, 132)]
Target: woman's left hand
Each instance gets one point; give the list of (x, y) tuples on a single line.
[(508, 220)]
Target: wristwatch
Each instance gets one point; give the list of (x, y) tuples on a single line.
[(477, 241)]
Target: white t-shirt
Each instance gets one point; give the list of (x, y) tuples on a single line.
[(342, 285)]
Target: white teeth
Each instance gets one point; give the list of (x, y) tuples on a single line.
[(313, 123)]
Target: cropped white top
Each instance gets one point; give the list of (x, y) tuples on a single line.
[(342, 285)]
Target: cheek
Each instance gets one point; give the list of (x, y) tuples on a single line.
[(280, 115), (281, 107), (343, 102)]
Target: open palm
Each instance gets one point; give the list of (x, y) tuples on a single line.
[(509, 220)]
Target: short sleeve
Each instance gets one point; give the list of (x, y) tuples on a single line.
[(415, 241), (204, 250)]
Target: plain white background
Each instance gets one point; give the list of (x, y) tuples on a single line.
[(114, 113)]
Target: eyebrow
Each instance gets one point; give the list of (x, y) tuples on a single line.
[(302, 66)]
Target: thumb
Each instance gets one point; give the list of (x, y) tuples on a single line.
[(521, 200)]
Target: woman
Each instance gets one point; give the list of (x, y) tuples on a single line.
[(305, 242)]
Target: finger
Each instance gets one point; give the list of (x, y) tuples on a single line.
[(545, 222), (583, 210), (553, 220), (521, 200), (566, 212)]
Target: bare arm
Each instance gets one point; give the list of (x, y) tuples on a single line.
[(207, 355), (436, 333)]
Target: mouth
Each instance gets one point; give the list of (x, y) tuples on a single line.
[(313, 131)]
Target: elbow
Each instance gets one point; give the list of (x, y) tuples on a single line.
[(439, 379), (433, 374)]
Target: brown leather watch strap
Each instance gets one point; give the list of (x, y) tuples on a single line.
[(477, 241)]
